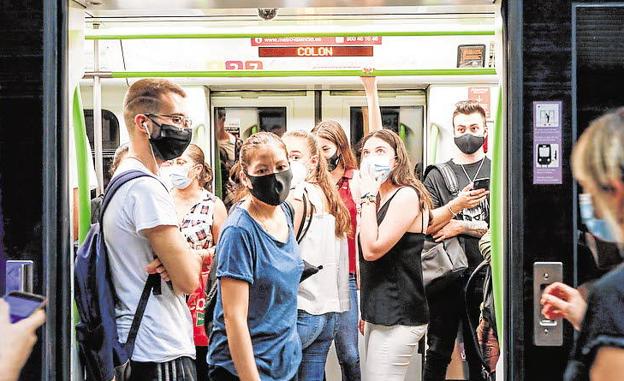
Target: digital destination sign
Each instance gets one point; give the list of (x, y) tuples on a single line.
[(316, 51)]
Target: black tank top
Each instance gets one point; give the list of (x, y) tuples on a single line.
[(392, 291)]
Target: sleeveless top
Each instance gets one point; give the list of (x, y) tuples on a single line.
[(347, 197), (196, 227), (328, 290), (392, 290)]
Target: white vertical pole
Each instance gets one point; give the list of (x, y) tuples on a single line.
[(97, 118)]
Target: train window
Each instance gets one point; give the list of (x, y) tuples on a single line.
[(359, 121), (110, 132), (406, 121), (110, 138), (245, 121)]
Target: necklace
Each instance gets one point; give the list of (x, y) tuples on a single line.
[(476, 174)]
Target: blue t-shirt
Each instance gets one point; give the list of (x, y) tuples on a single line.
[(273, 269)]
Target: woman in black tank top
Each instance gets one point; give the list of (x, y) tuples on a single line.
[(395, 213)]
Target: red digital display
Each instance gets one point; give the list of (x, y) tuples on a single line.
[(317, 51)]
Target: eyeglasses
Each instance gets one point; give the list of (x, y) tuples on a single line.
[(177, 119)]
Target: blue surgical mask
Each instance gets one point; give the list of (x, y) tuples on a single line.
[(178, 175), (596, 226), (378, 166)]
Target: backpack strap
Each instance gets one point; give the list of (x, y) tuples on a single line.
[(153, 281), (116, 183), (450, 179)]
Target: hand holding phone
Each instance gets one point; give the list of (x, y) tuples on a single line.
[(481, 184), (23, 304), (18, 338)]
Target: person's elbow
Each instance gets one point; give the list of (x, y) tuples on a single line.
[(187, 285), (371, 253), (190, 280)]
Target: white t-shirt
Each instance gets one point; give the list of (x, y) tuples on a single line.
[(166, 330)]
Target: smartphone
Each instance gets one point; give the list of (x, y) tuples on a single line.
[(23, 304), (481, 184)]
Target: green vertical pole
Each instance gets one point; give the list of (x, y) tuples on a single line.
[(402, 132), (83, 155), (497, 218)]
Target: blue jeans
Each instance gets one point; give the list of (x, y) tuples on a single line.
[(346, 337), (316, 333)]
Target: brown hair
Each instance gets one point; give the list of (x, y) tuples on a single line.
[(402, 174), (145, 96), (247, 150), (467, 108), (321, 175), (332, 131), (598, 158), (205, 175), (120, 153)]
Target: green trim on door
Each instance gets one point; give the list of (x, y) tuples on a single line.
[(497, 218), (170, 36), (301, 73)]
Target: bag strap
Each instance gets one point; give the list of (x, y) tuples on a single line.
[(153, 281), (306, 221), (450, 179), (485, 368)]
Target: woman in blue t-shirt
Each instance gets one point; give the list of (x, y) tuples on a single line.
[(258, 269)]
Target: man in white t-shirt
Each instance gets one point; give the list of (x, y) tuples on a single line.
[(142, 236)]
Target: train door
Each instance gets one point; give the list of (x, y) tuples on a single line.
[(402, 111), (236, 115)]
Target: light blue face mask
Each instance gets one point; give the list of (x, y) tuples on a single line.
[(596, 226), (178, 175)]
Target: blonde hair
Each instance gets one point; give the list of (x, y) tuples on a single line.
[(321, 175), (403, 173), (332, 131), (598, 159)]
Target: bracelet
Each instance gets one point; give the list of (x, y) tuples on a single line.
[(451, 210), (368, 198)]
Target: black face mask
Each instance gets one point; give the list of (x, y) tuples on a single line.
[(271, 189), (468, 143), (332, 162), (169, 142)]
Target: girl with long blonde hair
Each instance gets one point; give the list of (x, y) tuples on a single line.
[(322, 222)]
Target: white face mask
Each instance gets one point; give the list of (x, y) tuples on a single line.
[(299, 172), (377, 166), (178, 175)]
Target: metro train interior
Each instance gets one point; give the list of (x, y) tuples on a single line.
[(287, 73), (284, 65)]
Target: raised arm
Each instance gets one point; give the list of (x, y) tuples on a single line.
[(372, 101)]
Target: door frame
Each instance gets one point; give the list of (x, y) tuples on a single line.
[(57, 252)]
